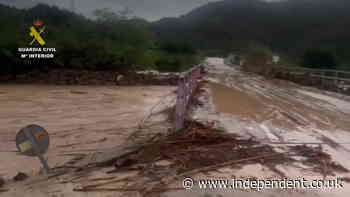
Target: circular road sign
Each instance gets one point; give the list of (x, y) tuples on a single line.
[(32, 140)]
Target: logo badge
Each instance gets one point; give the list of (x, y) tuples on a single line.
[(40, 51), (35, 31)]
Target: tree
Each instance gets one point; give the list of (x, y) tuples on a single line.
[(258, 59), (112, 41), (320, 59)]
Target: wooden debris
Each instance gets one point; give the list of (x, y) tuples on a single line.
[(107, 182), (95, 187), (57, 174), (78, 92), (4, 190), (198, 149), (20, 176), (2, 182)]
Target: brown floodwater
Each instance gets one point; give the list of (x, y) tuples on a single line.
[(79, 119), (235, 102)]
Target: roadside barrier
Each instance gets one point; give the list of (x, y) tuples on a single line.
[(331, 80), (187, 84)]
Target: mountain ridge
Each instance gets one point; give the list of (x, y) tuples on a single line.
[(285, 26)]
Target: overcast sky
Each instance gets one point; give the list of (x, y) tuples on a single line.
[(149, 9)]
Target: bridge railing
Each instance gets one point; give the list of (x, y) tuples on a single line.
[(336, 80), (337, 75), (187, 84)]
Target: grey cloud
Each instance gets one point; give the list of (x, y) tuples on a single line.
[(149, 9)]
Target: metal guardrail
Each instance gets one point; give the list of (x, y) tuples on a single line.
[(187, 84), (339, 79), (331, 78), (335, 75), (312, 69)]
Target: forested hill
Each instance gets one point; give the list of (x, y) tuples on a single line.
[(287, 26), (112, 41)]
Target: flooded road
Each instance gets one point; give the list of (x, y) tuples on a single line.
[(278, 113), (232, 101)]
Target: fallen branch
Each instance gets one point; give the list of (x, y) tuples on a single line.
[(58, 174), (67, 145), (105, 183), (102, 179), (72, 154), (72, 180)]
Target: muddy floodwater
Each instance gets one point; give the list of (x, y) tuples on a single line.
[(79, 119), (232, 101)]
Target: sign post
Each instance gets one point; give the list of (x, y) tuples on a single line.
[(33, 141)]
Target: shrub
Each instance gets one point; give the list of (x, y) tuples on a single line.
[(319, 59), (258, 60)]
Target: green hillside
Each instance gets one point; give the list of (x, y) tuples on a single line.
[(114, 41), (288, 27)]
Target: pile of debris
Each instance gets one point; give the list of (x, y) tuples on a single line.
[(150, 167), (201, 146), (167, 158)]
